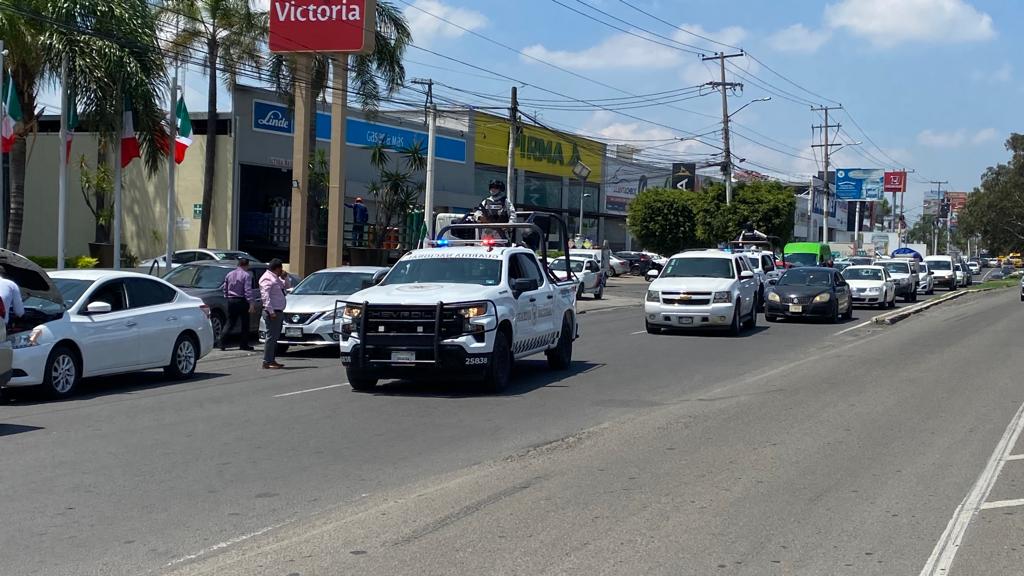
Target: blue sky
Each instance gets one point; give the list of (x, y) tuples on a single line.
[(933, 83)]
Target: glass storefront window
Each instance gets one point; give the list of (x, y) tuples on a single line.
[(590, 204), (590, 227), (482, 178), (542, 192)]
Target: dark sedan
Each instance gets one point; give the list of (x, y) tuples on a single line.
[(205, 280), (639, 263), (809, 292)]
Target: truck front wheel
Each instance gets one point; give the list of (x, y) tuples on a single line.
[(499, 371), (361, 382)]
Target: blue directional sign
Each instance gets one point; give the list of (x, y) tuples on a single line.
[(275, 118)]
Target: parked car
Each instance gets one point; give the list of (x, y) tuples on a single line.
[(943, 271), (904, 275), (309, 314), (658, 260), (926, 285), (205, 280), (703, 288), (871, 285), (639, 263), (198, 255), (616, 265), (586, 271), (809, 292), (84, 323)]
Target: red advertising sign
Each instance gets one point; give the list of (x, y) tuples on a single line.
[(895, 182), (346, 26), (957, 200)]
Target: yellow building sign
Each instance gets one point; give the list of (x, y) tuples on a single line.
[(539, 150)]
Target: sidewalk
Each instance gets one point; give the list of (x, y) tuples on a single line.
[(620, 292)]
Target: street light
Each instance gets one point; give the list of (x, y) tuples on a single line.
[(765, 99), (581, 171)]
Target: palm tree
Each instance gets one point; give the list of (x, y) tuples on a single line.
[(372, 75), (111, 53), (229, 36)]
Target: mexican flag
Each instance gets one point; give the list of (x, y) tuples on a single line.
[(129, 142), (71, 113), (184, 138), (11, 113)]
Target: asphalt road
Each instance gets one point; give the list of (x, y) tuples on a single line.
[(799, 448)]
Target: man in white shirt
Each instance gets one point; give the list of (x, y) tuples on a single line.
[(10, 294)]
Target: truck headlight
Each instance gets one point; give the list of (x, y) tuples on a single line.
[(474, 311), (823, 297), (773, 297), (352, 312), (722, 298), (653, 296)]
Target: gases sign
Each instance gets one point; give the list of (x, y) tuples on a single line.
[(896, 182), (346, 26)]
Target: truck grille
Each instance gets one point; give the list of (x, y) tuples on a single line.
[(686, 298), (389, 328)]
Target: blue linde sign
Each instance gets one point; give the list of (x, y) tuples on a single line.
[(275, 118)]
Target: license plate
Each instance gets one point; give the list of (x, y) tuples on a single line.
[(685, 320), (293, 332), (796, 308), (403, 356)]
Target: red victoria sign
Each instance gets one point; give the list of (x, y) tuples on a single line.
[(346, 26), (895, 182)]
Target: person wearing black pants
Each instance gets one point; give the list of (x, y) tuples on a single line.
[(241, 302)]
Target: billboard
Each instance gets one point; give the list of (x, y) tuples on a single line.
[(684, 176), (627, 179), (896, 182), (538, 149), (864, 184), (957, 201), (347, 26)]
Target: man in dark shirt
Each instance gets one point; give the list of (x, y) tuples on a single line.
[(360, 216), (241, 302)]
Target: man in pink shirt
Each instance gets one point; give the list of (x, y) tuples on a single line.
[(273, 285)]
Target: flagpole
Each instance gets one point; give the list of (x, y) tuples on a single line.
[(172, 125), (62, 183), (117, 188), (3, 179)]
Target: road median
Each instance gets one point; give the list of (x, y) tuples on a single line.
[(904, 313)]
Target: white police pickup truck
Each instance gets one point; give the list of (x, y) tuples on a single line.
[(459, 307)]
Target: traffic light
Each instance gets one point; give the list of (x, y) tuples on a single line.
[(944, 210)]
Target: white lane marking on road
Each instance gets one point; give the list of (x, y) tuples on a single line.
[(861, 325), (1015, 457), (638, 332), (226, 543), (942, 556), (311, 390), (1002, 504)]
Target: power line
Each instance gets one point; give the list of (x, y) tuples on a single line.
[(684, 30)]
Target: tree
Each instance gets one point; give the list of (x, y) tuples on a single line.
[(663, 219), (111, 52), (228, 35), (768, 205), (395, 191), (995, 210)]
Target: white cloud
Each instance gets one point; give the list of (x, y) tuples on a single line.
[(604, 125), (426, 27), (886, 23), (798, 38), (955, 138), (623, 50), (984, 135)]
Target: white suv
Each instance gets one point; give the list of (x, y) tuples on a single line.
[(703, 288)]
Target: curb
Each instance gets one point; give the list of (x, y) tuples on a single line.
[(900, 315)]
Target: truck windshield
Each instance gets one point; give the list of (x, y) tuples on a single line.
[(698, 268), (482, 271)]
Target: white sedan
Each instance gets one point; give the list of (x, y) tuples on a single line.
[(586, 271), (84, 323), (871, 285), (309, 312), (198, 255)]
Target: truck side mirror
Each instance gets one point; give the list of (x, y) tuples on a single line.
[(520, 285)]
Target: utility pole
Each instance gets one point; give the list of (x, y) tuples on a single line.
[(827, 148), (62, 184), (724, 86), (513, 128), (172, 135), (428, 201), (942, 204)]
